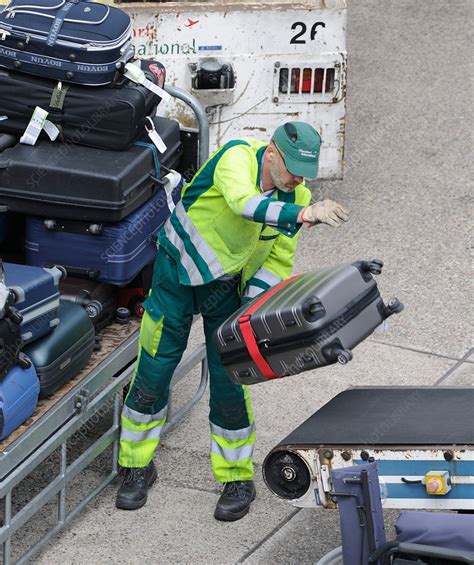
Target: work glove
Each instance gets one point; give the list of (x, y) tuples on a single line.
[(324, 212)]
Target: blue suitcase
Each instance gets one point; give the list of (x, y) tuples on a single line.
[(112, 253), (37, 297), (19, 392), (68, 40)]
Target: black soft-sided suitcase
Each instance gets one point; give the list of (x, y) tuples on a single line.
[(60, 356), (103, 117), (305, 322), (78, 41), (82, 183)]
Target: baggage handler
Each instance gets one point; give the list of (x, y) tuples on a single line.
[(232, 236)]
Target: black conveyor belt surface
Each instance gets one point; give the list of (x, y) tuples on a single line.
[(391, 416)]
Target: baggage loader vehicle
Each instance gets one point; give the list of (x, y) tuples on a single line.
[(423, 462)]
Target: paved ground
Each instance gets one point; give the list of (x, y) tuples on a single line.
[(407, 185)]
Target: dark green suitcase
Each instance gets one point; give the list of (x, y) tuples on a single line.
[(62, 354)]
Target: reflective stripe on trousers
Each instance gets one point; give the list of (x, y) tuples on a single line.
[(139, 436)]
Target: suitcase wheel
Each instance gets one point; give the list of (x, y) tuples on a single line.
[(24, 361), (344, 356), (395, 306), (93, 309), (122, 315), (374, 267)]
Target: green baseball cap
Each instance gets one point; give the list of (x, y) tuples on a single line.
[(300, 144)]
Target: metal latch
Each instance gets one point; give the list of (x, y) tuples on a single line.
[(325, 478), (81, 400)]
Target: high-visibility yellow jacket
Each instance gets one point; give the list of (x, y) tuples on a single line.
[(225, 225)]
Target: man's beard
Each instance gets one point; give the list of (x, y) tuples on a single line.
[(277, 180)]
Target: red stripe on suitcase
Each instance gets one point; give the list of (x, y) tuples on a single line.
[(249, 337)]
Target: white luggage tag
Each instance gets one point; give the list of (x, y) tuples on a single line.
[(135, 74), (170, 182), (155, 136), (37, 123), (2, 118)]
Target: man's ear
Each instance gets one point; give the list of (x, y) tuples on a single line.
[(271, 153)]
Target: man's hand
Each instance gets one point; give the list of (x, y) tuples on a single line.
[(325, 212)]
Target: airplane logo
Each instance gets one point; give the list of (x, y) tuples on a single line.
[(191, 23)]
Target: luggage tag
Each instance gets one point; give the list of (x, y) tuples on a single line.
[(2, 118), (37, 123), (155, 136), (171, 181), (135, 74)]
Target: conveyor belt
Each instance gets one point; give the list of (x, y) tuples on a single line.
[(391, 416)]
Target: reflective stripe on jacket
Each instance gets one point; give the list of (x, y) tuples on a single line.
[(216, 227)]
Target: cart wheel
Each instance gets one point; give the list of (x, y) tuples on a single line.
[(344, 356)]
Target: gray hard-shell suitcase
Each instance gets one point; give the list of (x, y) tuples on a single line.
[(305, 322)]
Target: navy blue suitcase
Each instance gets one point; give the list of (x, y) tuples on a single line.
[(36, 297), (116, 253), (76, 41), (19, 392)]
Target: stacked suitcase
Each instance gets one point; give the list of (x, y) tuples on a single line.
[(86, 179)]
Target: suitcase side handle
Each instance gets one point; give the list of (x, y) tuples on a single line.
[(78, 271)]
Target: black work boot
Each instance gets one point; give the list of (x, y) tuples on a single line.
[(132, 494), (235, 500)]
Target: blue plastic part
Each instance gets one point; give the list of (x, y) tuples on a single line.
[(19, 392), (361, 519)]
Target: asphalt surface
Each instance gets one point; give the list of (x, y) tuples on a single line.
[(407, 185)]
